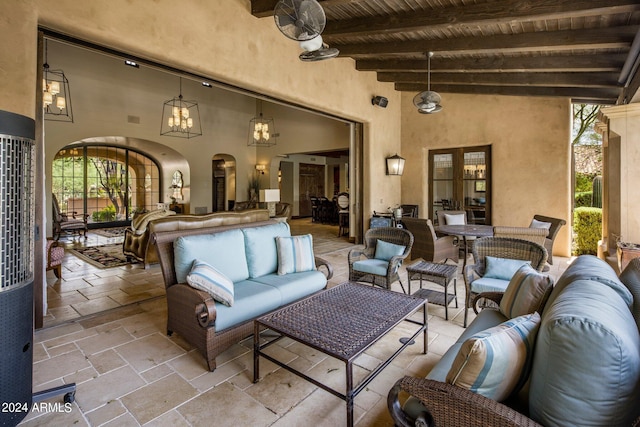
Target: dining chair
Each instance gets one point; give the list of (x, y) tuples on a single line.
[(537, 235), (342, 204), (379, 261), (64, 222), (554, 225), (427, 245)]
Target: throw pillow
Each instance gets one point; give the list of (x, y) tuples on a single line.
[(502, 268), (385, 250), (295, 254), (206, 278), (457, 219), (540, 224), (495, 362), (526, 293)]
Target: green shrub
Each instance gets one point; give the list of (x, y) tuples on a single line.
[(583, 181), (587, 226), (583, 199), (106, 214)]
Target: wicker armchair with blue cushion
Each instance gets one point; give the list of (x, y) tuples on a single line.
[(378, 262), (496, 261), (427, 245)]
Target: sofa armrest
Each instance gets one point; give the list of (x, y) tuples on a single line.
[(450, 405), (185, 301), (206, 312), (321, 262), (496, 297)]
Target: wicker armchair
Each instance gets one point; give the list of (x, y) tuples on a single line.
[(452, 406), (537, 235), (556, 225), (398, 236), (499, 247), (427, 245)]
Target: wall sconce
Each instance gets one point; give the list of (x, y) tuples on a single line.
[(395, 165), (261, 168)]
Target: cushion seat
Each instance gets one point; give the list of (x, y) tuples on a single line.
[(251, 299), (294, 286), (489, 284), (372, 266)]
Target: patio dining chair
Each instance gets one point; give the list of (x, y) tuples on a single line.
[(379, 261), (553, 225), (427, 245)]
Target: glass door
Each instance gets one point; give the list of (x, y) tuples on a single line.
[(460, 179)]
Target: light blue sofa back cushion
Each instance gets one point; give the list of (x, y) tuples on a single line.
[(224, 251), (260, 246), (586, 367), (589, 267)]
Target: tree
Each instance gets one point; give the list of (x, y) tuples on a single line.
[(584, 116), (111, 175)]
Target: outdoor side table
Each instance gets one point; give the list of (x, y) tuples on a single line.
[(437, 273)]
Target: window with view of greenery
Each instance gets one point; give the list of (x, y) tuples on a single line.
[(108, 183)]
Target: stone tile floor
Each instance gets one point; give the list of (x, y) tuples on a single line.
[(130, 373)]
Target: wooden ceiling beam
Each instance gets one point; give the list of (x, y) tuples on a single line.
[(263, 8), (551, 63), (477, 14), (600, 94), (508, 79), (543, 41)]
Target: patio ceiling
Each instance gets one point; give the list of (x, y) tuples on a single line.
[(581, 49)]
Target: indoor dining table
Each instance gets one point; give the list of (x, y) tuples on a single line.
[(465, 230)]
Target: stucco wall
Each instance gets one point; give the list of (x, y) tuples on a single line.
[(216, 39), (530, 145)]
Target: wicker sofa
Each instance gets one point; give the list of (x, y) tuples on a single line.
[(137, 243), (246, 254), (585, 367)]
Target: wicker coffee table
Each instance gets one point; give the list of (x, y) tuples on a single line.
[(341, 322), (441, 274)]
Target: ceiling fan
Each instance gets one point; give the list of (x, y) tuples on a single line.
[(304, 21), (428, 101)]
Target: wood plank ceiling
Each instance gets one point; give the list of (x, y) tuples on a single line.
[(586, 50)]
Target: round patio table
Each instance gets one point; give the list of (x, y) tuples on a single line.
[(466, 230)]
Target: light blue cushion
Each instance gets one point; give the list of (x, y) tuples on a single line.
[(372, 266), (495, 362), (385, 250), (294, 286), (252, 299), (295, 254), (488, 284), (586, 367), (485, 319), (224, 251), (527, 292), (589, 267), (206, 278), (502, 268), (260, 244)]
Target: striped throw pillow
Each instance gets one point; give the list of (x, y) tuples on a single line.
[(206, 278), (495, 362), (295, 254), (527, 292)]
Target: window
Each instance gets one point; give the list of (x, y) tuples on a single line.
[(108, 183)]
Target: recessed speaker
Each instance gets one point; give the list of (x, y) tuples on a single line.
[(379, 100)]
